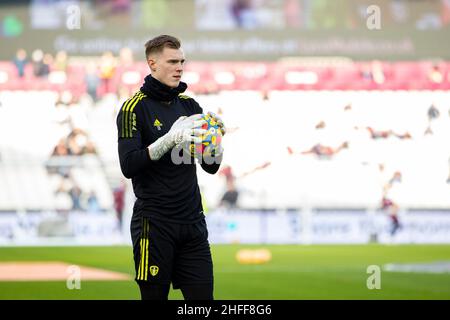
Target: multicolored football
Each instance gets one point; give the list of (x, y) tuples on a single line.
[(210, 139)]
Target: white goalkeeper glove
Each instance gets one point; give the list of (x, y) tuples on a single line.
[(184, 130)]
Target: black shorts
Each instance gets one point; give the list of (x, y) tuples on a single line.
[(167, 252)]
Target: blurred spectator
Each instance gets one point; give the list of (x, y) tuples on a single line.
[(396, 177), (320, 125), (323, 152), (78, 115), (75, 194), (433, 112), (119, 201), (230, 197), (61, 61), (374, 72), (227, 172), (92, 80), (379, 134), (392, 210), (62, 115), (260, 167), (435, 74), (448, 179), (403, 136), (428, 130), (20, 61), (243, 14), (37, 60), (60, 149), (126, 57), (89, 148), (107, 70), (92, 203), (63, 200), (47, 64), (384, 134), (76, 142), (130, 77), (387, 204), (378, 75)]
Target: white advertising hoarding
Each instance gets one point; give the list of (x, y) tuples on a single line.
[(277, 227)]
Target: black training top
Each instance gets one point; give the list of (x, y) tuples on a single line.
[(164, 190)]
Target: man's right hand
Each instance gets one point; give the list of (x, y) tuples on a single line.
[(185, 129)]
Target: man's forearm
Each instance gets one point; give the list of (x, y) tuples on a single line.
[(160, 147), (213, 167), (133, 161)]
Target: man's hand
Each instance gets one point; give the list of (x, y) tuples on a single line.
[(184, 130), (219, 122), (217, 151), (187, 129)]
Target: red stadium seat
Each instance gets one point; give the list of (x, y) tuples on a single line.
[(204, 77)]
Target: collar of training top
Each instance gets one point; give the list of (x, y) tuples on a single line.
[(159, 91)]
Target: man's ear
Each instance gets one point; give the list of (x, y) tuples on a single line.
[(151, 61)]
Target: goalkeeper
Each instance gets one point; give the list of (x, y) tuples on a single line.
[(168, 227)]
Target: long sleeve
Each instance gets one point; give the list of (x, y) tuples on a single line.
[(212, 168), (133, 155)]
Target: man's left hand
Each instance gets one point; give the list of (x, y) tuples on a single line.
[(219, 122)]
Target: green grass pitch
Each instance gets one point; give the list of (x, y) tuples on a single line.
[(295, 272)]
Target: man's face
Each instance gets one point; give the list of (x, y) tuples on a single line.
[(167, 66)]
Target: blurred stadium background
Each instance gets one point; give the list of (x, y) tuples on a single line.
[(337, 152)]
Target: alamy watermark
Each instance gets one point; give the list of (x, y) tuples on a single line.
[(374, 280), (73, 17), (373, 21), (74, 278), (182, 154)]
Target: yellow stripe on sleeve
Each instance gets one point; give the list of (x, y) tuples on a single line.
[(125, 105), (130, 112), (127, 115)]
